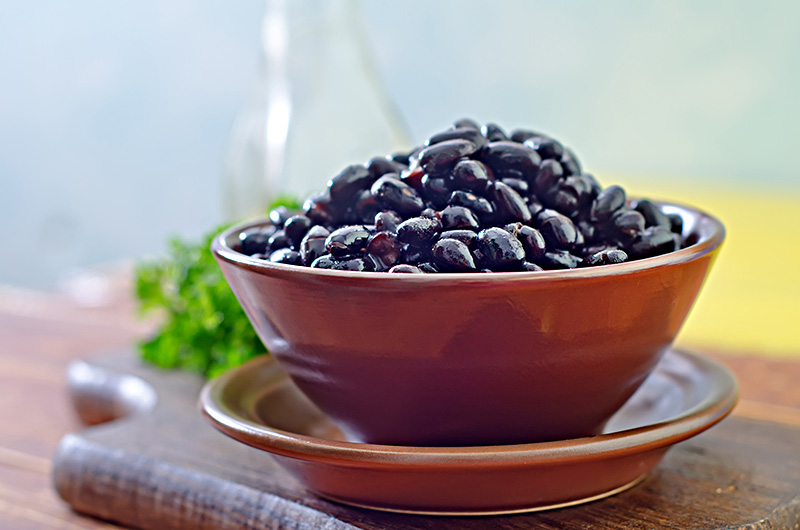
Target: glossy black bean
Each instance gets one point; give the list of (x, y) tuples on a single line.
[(428, 267), (401, 158), (493, 133), (499, 250), (413, 177), (588, 229), (548, 177), (325, 261), (352, 179), (653, 216), (347, 241), (528, 266), (279, 215), (413, 254), (607, 202), (570, 163), (479, 206), (379, 166), (559, 259), (519, 185), (675, 223), (581, 187), (442, 157), (468, 237), (471, 175), (430, 212), (455, 217), (387, 221), (295, 229), (627, 222), (466, 122), (366, 207), (435, 190), (653, 241), (451, 255), (532, 240), (353, 264), (255, 240), (606, 257), (405, 268), (279, 240), (594, 186), (547, 148), (503, 156), (509, 206), (384, 248), (461, 133), (319, 209), (520, 135), (560, 232), (565, 200), (313, 244), (285, 255), (391, 194), (419, 231)]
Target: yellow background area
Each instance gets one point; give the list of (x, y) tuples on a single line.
[(751, 301)]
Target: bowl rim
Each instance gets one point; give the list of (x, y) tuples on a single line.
[(712, 240)]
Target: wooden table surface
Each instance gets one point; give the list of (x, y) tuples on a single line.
[(41, 333)]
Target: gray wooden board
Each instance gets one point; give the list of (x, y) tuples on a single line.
[(152, 462)]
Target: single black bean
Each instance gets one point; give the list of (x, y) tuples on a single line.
[(546, 147), (653, 216), (510, 206), (313, 244), (587, 228), (279, 240), (559, 259), (454, 217), (461, 133), (653, 241), (580, 187), (295, 228), (499, 250), (629, 223), (570, 163), (675, 223), (468, 237), (607, 202), (594, 186), (606, 257), (506, 155), (387, 221), (528, 266), (325, 261), (451, 255), (366, 207), (435, 190), (480, 206), (352, 179), (384, 248), (471, 175), (379, 166), (255, 240), (532, 240), (466, 122), (563, 199), (347, 241), (319, 209), (401, 158), (519, 185), (548, 177), (405, 268), (413, 177), (391, 194), (279, 215), (520, 135), (442, 157), (419, 231), (560, 232), (287, 256), (493, 133)]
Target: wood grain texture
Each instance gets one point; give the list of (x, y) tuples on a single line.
[(162, 466)]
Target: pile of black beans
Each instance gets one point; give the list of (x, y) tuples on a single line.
[(471, 199)]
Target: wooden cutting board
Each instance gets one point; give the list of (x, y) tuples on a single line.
[(153, 462)]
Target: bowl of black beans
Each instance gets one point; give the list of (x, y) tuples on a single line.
[(480, 289)]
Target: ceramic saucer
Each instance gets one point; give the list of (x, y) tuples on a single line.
[(257, 404)]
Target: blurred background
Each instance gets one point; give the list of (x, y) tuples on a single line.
[(125, 123)]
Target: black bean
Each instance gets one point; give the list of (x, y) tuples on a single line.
[(532, 240), (454, 217), (675, 223), (413, 254), (255, 240), (401, 158), (587, 229), (379, 166), (499, 250), (546, 147), (285, 255), (391, 194), (519, 185), (279, 240), (559, 259), (347, 241), (560, 232), (607, 202), (471, 175), (451, 255), (548, 177), (480, 206), (366, 207), (503, 156), (653, 216), (520, 135), (581, 187), (428, 267), (387, 221), (318, 208), (435, 190), (419, 231), (493, 133), (570, 163), (352, 179), (629, 223), (325, 261), (353, 264), (468, 237), (466, 122), (653, 241), (606, 257), (405, 268), (313, 244), (279, 215), (384, 248), (442, 157), (510, 206), (563, 199), (295, 228), (534, 205), (528, 266), (461, 133), (413, 177)]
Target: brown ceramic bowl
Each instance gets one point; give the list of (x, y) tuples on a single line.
[(457, 359)]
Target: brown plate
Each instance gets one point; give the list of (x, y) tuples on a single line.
[(257, 404)]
